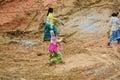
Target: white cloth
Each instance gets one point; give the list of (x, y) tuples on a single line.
[(53, 36), (115, 23)]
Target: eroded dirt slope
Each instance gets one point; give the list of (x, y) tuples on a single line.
[(23, 55)]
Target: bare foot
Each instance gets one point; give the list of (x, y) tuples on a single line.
[(62, 62), (49, 64), (109, 46)]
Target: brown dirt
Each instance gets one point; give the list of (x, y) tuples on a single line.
[(85, 49)]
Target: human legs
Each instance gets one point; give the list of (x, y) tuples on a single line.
[(59, 56), (55, 57)]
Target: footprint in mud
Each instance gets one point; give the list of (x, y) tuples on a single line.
[(39, 54)]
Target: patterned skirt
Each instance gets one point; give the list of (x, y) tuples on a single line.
[(54, 57)]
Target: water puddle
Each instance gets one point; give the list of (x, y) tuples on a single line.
[(26, 43)]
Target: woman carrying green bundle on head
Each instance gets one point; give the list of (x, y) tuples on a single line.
[(49, 24)]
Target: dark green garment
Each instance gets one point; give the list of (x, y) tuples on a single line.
[(47, 30)]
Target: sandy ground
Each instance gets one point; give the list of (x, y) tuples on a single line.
[(23, 55), (84, 59)]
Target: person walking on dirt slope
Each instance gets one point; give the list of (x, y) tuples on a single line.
[(115, 22), (49, 24), (55, 55)]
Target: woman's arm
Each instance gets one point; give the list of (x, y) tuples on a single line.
[(52, 18)]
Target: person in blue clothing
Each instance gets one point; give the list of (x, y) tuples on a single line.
[(115, 22), (49, 24)]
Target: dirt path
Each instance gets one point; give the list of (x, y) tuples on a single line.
[(101, 62), (78, 60)]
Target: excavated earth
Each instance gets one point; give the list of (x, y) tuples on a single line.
[(23, 54)]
